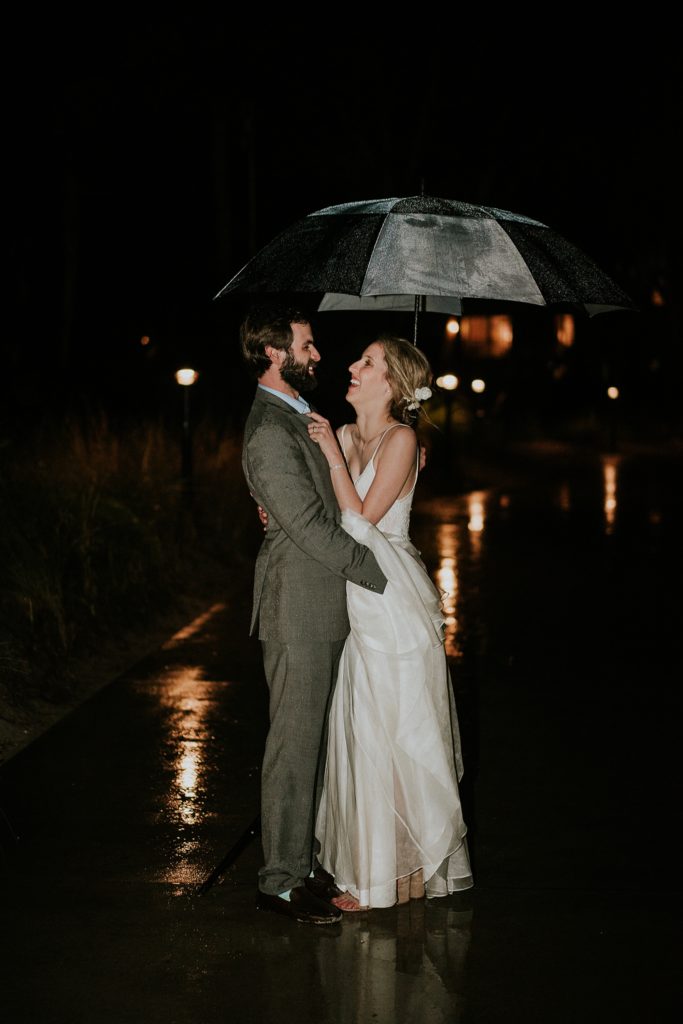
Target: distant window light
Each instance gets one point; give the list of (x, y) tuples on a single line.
[(501, 334), (486, 337), (565, 329), (657, 297), (475, 329)]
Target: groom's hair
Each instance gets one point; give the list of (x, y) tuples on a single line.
[(268, 324)]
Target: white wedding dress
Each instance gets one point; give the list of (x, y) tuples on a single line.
[(390, 802)]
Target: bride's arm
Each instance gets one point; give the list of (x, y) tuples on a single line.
[(394, 466)]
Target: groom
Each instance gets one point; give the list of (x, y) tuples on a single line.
[(299, 603)]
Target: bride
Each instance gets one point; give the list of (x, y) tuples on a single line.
[(389, 824)]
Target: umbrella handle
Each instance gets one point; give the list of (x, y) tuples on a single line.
[(420, 305)]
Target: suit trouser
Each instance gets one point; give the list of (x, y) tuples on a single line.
[(301, 677)]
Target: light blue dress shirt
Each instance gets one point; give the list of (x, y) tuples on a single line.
[(300, 404)]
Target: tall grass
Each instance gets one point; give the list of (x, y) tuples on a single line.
[(97, 533)]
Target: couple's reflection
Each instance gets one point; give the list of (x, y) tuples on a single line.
[(403, 964)]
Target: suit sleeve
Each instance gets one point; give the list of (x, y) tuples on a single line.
[(284, 485)]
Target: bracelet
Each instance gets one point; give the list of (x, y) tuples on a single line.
[(339, 465)]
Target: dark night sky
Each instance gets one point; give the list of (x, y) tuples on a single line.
[(146, 163)]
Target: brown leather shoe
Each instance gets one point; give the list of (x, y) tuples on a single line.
[(302, 906), (321, 884)]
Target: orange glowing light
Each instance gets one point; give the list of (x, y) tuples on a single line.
[(475, 507), (452, 327), (565, 497), (187, 632), (609, 469), (501, 333), (446, 578), (478, 386), (565, 329)]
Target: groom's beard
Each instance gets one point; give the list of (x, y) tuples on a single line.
[(296, 374)]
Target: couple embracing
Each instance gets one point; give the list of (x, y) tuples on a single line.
[(359, 803)]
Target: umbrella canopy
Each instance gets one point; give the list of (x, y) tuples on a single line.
[(383, 253)]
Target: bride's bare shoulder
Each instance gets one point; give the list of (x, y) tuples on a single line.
[(399, 444), (403, 438)]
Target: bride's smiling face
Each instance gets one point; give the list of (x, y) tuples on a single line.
[(369, 384)]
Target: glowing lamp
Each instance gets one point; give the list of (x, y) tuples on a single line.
[(448, 382), (186, 376), (478, 386)]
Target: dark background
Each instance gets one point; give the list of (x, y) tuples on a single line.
[(149, 159)]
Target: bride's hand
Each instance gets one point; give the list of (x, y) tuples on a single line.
[(320, 431), (262, 514)]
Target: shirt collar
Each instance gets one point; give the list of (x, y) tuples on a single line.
[(300, 404)]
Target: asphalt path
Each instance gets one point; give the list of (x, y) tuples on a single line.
[(564, 635)]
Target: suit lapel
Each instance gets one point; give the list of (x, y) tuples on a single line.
[(299, 420)]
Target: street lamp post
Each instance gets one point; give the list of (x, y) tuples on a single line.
[(449, 460), (448, 383), (478, 387), (186, 377)]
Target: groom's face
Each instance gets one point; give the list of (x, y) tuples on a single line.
[(299, 363)]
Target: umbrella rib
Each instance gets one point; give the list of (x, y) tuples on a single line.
[(251, 259), (370, 258), (521, 256)]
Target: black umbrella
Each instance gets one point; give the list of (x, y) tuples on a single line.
[(427, 253)]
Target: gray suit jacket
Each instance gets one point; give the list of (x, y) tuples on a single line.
[(306, 557)]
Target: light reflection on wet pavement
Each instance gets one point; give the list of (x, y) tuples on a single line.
[(563, 610)]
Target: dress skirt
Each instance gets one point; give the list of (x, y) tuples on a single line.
[(390, 803)]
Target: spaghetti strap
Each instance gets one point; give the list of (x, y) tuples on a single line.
[(342, 431), (372, 457), (417, 469)]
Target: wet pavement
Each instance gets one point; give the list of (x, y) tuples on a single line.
[(564, 633)]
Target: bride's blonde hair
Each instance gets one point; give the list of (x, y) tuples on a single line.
[(407, 370)]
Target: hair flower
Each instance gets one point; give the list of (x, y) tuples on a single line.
[(422, 394)]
